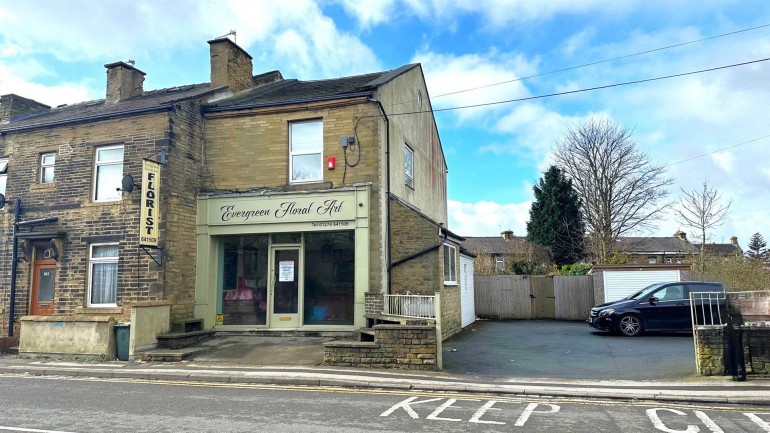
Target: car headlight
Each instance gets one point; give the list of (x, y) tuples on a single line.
[(606, 312)]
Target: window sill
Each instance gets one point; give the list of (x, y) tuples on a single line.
[(449, 283), (105, 203), (43, 186), (99, 310)]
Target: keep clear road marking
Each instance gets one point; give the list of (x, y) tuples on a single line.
[(407, 404), (657, 422), (32, 430)]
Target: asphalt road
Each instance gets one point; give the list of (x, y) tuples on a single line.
[(83, 406), (566, 350)]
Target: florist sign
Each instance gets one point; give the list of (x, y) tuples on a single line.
[(281, 209)]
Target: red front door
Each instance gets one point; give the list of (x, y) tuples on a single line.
[(43, 287)]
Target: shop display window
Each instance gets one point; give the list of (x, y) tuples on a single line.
[(329, 278), (244, 280)]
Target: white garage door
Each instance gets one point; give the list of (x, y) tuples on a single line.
[(619, 284), (467, 303)]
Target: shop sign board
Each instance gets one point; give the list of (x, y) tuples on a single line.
[(318, 208), (150, 206)]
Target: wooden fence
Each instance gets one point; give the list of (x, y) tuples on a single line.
[(531, 297)]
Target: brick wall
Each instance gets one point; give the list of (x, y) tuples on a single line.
[(412, 347), (374, 303)]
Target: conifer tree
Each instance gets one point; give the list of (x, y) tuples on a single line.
[(555, 218)]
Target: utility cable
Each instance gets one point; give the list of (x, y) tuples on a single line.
[(601, 61), (607, 86), (716, 151)]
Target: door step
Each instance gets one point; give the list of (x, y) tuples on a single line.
[(168, 355)]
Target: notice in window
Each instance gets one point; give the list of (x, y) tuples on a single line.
[(286, 271)]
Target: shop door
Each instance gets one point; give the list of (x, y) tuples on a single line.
[(43, 283), (286, 275)]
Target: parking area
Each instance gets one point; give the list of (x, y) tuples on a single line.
[(566, 350)]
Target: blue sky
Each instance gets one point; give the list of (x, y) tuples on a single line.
[(54, 52)]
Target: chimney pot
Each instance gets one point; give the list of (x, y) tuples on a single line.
[(507, 235), (123, 81)]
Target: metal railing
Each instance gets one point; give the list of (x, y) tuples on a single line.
[(420, 306), (708, 309)]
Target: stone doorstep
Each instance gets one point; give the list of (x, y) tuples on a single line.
[(168, 355), (177, 340)]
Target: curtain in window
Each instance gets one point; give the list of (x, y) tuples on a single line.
[(104, 277), (104, 285)]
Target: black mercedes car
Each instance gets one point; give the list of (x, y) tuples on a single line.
[(658, 307)]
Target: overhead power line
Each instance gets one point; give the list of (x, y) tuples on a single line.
[(601, 61), (569, 92), (716, 151)]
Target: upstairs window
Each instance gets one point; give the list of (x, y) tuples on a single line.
[(305, 151), (108, 172), (3, 174), (450, 265), (47, 163), (499, 263), (409, 166)]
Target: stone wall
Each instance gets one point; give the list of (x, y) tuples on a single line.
[(710, 351), (412, 233), (451, 317), (374, 303), (756, 350), (411, 347), (248, 150)]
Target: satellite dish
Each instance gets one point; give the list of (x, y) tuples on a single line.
[(127, 184), (2, 201)]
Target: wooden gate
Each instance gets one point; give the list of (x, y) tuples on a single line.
[(529, 297), (574, 296), (542, 296), (502, 296)]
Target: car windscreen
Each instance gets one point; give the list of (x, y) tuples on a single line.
[(645, 291)]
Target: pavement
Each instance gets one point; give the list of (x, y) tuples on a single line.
[(521, 370)]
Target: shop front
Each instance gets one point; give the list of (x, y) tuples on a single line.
[(296, 260)]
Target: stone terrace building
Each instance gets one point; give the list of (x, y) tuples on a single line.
[(281, 202)]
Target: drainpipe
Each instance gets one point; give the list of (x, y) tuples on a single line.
[(14, 267), (387, 190)]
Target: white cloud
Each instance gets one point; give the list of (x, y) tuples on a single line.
[(53, 95), (487, 218), (369, 12), (446, 73)]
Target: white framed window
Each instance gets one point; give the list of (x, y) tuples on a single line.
[(669, 260), (409, 165), (499, 263), (47, 165), (652, 259), (450, 265), (680, 260), (306, 144), (103, 275), (3, 174), (108, 172)]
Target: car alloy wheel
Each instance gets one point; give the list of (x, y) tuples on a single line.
[(630, 325)]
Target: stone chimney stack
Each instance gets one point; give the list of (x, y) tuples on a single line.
[(507, 235), (681, 235), (123, 81), (14, 106), (230, 65), (734, 241)]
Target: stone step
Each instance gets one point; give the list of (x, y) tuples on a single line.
[(168, 355), (178, 340), (188, 325), (365, 334), (12, 350)]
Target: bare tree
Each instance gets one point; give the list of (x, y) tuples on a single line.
[(701, 210), (620, 187)]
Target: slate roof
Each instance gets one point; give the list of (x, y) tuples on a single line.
[(646, 245), (496, 245), (97, 108), (722, 250), (293, 91), (271, 89)]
